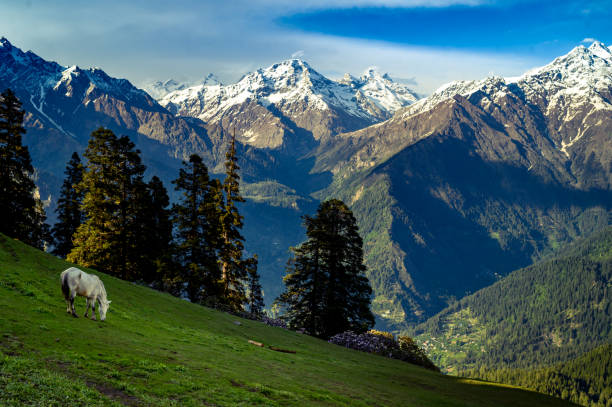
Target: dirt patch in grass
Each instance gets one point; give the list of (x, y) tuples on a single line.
[(114, 394), (10, 345), (102, 388), (243, 386)]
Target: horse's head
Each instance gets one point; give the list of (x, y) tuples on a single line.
[(104, 304)]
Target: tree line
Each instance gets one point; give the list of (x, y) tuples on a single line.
[(112, 220), (586, 380)]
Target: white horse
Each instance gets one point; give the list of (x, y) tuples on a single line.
[(75, 281)]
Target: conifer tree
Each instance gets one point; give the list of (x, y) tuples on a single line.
[(21, 212), (69, 214), (196, 228), (157, 230), (255, 301), (111, 238), (234, 275), (326, 289)]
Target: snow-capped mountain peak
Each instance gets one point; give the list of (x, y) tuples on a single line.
[(159, 89), (599, 49)]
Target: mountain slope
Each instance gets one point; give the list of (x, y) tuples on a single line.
[(547, 313), (476, 181), (154, 349), (586, 380)]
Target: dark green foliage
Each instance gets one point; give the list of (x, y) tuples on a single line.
[(196, 220), (255, 301), (69, 214), (547, 313), (112, 238), (233, 274), (326, 290), (21, 212), (586, 380), (157, 232)]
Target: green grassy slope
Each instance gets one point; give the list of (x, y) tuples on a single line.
[(155, 349)]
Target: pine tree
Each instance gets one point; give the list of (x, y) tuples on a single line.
[(232, 272), (326, 289), (157, 229), (196, 226), (111, 238), (21, 212), (255, 301), (69, 214)]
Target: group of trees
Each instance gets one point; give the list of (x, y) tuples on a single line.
[(21, 211), (111, 219)]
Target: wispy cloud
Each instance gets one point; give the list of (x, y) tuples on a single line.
[(298, 54), (588, 40)]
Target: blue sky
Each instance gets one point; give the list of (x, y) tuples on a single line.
[(423, 43), (541, 27)]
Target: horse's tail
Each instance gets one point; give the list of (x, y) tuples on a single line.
[(65, 288), (65, 285)]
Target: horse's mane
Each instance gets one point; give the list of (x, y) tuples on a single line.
[(102, 288)]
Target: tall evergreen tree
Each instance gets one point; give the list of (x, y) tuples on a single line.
[(21, 212), (157, 230), (234, 275), (255, 301), (197, 233), (326, 289), (111, 238), (69, 214)]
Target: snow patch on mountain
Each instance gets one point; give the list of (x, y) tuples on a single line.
[(159, 89), (380, 89)]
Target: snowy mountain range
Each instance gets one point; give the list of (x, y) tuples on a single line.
[(293, 90)]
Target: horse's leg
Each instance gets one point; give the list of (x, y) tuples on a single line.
[(93, 309), (86, 307), (72, 295)]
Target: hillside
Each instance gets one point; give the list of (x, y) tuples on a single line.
[(155, 349), (586, 380), (547, 313)]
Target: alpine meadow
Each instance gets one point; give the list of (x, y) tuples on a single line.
[(255, 231)]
